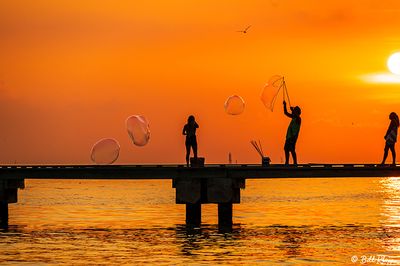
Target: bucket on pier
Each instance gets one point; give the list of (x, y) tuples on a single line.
[(265, 161), (197, 162)]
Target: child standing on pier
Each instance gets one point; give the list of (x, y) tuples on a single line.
[(391, 138), (292, 132), (190, 131)]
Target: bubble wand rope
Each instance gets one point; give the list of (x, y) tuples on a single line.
[(286, 91), (272, 105)]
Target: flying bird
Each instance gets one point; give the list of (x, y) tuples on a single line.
[(245, 30)]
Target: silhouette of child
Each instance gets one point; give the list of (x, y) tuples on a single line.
[(292, 132), (190, 131), (391, 138)]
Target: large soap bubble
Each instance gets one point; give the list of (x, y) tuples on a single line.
[(234, 105), (138, 129), (105, 151), (271, 91)]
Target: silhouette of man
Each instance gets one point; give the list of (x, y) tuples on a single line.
[(391, 138), (191, 142), (292, 132)]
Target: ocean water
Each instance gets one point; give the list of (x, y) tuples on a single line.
[(348, 221)]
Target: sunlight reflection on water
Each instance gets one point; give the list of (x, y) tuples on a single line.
[(391, 213)]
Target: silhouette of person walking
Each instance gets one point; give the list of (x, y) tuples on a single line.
[(391, 138), (292, 132), (191, 142)]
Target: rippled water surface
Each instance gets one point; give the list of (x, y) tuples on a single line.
[(281, 221)]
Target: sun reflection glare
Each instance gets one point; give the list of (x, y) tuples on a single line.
[(391, 213)]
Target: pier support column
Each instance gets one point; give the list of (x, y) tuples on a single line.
[(193, 214), (3, 204), (3, 213), (225, 211), (8, 194)]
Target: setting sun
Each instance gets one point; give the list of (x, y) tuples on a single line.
[(393, 63)]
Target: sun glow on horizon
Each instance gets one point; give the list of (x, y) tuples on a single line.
[(386, 78), (392, 77)]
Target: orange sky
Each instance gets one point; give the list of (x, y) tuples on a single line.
[(72, 71)]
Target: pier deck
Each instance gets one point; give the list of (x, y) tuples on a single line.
[(246, 171)]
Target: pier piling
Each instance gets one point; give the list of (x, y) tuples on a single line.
[(225, 211), (3, 213), (3, 204), (193, 192), (193, 214), (8, 194)]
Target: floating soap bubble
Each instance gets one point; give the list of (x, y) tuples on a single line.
[(105, 151), (271, 91), (138, 129), (234, 105)]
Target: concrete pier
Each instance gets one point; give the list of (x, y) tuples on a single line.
[(196, 185)]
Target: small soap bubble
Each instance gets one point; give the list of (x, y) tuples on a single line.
[(234, 105), (138, 129), (105, 151)]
